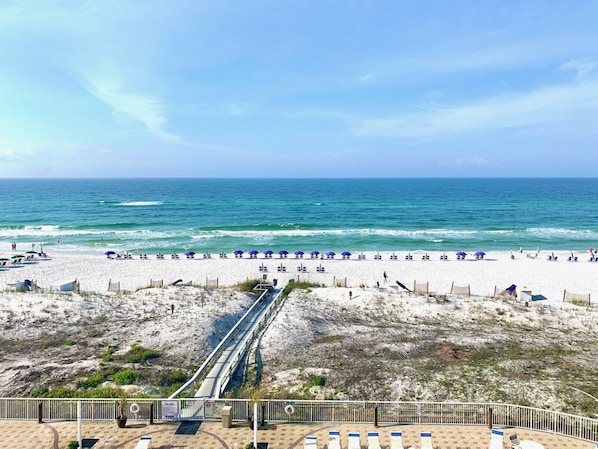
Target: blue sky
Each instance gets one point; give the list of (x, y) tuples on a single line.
[(298, 88)]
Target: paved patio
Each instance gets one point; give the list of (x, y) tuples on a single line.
[(211, 435)]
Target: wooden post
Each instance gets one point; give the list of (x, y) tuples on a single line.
[(490, 417), (376, 416), (40, 412), (151, 413)]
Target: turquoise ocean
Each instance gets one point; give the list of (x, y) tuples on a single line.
[(223, 215)]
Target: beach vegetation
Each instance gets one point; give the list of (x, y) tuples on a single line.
[(248, 285), (126, 377), (93, 381), (297, 285), (139, 354)]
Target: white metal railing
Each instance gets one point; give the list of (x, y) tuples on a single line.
[(436, 413)]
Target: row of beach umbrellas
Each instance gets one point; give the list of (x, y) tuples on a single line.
[(283, 252)]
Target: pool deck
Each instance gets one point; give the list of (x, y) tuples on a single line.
[(211, 435)]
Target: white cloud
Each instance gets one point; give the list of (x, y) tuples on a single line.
[(551, 104), (366, 78), (582, 67), (473, 161), (144, 109)]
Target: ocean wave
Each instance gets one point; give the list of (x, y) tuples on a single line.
[(140, 203)]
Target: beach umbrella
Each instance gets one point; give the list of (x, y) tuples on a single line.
[(283, 252), (331, 253), (268, 252), (109, 253), (17, 256), (461, 253), (190, 253), (299, 253), (314, 253), (238, 252), (345, 253), (479, 254), (253, 252)]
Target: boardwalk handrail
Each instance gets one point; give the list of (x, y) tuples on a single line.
[(215, 354), (304, 411)]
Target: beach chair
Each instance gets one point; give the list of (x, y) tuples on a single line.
[(514, 439), (311, 442), (497, 437), (353, 441), (373, 440), (425, 440), (396, 439), (334, 439), (145, 442)]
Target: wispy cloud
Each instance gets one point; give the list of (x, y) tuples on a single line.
[(142, 108), (545, 105), (582, 67), (472, 161)]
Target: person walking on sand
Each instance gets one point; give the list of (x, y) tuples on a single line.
[(385, 278)]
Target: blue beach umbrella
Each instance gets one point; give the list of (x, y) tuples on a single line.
[(190, 253), (299, 253), (331, 253), (479, 254), (461, 253), (268, 252), (109, 253), (238, 252), (253, 252), (283, 252), (314, 253), (345, 253)]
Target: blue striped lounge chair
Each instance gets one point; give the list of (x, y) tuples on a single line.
[(425, 440), (353, 441), (334, 439), (373, 440), (396, 439), (496, 439)]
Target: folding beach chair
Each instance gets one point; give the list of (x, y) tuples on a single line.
[(396, 440), (334, 439), (373, 440), (353, 441), (496, 439), (425, 440)]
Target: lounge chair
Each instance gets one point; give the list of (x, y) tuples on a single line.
[(514, 439), (497, 437), (373, 440), (353, 441), (145, 442), (334, 439), (396, 440), (425, 440), (393, 257), (311, 442)]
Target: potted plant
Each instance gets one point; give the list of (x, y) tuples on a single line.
[(121, 417)]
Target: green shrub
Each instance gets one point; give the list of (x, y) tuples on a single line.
[(139, 354), (93, 381), (126, 377)]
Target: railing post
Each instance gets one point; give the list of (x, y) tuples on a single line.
[(151, 413), (40, 412), (489, 417), (375, 416)]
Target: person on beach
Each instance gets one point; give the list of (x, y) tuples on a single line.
[(385, 278)]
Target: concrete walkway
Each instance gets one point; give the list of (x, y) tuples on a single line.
[(211, 435)]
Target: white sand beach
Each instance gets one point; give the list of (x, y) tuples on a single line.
[(527, 271), (313, 327)]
